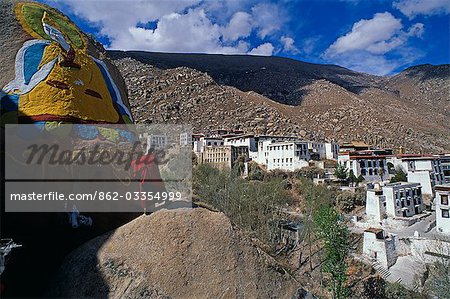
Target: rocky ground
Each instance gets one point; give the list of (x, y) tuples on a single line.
[(404, 112), (184, 253)]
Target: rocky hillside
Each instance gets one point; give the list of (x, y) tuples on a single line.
[(280, 79), (184, 253), (319, 103)]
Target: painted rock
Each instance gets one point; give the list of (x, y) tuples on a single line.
[(53, 72)]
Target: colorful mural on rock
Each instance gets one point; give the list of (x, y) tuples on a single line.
[(56, 80)]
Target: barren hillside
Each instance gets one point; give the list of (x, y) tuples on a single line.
[(408, 109)]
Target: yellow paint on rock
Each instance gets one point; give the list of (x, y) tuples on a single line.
[(47, 99)]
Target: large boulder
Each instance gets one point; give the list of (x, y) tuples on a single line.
[(52, 71), (184, 253)]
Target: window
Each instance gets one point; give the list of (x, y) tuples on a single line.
[(444, 200), (445, 214)]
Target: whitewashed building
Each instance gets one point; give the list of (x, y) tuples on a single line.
[(263, 142), (331, 151), (156, 142), (403, 199), (371, 165), (394, 200), (380, 247), (442, 208), (288, 156), (185, 139), (247, 140), (200, 143), (375, 205), (426, 170)]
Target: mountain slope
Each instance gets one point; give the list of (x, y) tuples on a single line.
[(410, 109), (278, 78)]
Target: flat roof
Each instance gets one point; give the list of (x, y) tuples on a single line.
[(374, 230), (355, 157), (445, 187), (240, 136)]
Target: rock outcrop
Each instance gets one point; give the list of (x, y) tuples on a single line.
[(184, 253)]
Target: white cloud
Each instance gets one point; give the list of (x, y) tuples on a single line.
[(239, 26), (289, 45), (268, 18), (309, 44), (412, 8), (368, 35), (222, 26), (364, 48), (265, 49)]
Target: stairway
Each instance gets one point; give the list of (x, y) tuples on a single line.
[(382, 270)]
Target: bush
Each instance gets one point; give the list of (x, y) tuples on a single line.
[(255, 172), (400, 176), (346, 201), (309, 172), (253, 206)]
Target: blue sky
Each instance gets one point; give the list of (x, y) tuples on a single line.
[(374, 36)]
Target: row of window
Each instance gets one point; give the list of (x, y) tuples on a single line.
[(214, 143), (288, 160), (408, 193), (370, 171), (407, 203), (217, 160), (371, 163)]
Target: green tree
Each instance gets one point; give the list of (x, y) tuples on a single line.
[(239, 165), (351, 177), (360, 179), (334, 234), (400, 176), (341, 172), (314, 197)]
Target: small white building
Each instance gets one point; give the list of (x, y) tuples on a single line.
[(442, 208), (445, 162), (424, 169), (185, 139), (403, 199), (380, 247), (375, 205), (263, 142), (288, 156), (156, 142), (331, 151), (369, 164), (200, 143), (247, 140)]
